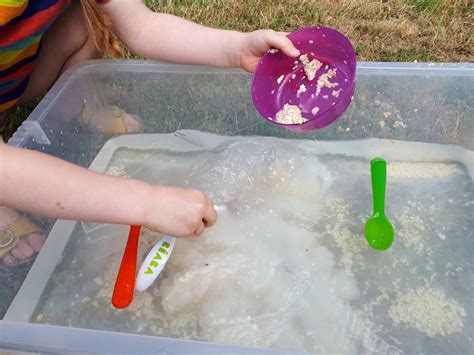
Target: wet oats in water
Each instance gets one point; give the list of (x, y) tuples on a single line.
[(287, 268)]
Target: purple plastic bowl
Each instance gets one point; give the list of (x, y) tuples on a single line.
[(328, 46)]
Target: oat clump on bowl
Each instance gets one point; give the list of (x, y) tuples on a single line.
[(301, 90), (310, 67), (315, 110), (290, 114), (323, 81)]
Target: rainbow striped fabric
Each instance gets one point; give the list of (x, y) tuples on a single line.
[(22, 25)]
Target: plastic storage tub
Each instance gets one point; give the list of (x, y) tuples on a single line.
[(409, 103)]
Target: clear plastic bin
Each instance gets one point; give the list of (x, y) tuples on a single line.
[(411, 102)]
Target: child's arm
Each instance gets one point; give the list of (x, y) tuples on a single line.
[(170, 38), (41, 184)]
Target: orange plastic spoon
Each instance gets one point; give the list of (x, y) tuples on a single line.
[(125, 282)]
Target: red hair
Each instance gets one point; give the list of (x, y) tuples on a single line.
[(100, 29)]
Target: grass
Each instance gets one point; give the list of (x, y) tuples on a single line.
[(436, 30), (426, 6), (381, 30), (405, 55)]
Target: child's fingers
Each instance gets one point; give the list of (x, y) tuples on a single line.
[(210, 217), (199, 230), (281, 42)]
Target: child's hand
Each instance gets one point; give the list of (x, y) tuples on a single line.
[(256, 44), (180, 212)]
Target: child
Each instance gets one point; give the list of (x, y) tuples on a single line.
[(40, 39)]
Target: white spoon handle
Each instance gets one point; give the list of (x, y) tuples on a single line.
[(154, 263)]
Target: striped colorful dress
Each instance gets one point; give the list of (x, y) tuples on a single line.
[(22, 25)]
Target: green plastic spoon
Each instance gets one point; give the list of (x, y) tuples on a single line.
[(378, 229)]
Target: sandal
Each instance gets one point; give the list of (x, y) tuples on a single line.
[(11, 235), (109, 121)]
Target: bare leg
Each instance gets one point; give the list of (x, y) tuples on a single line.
[(65, 44)]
